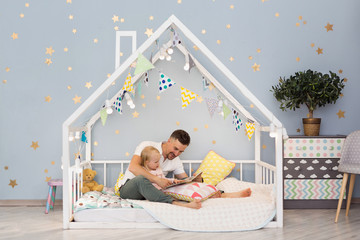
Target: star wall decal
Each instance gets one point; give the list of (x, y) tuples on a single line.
[(7, 69), (115, 18), (151, 18), (77, 99), (135, 114), (319, 51), (69, 1), (88, 85), (14, 36), (149, 32), (312, 44), (329, 27), (256, 67), (13, 183), (195, 129), (96, 40), (35, 145), (74, 31), (218, 41), (48, 99), (206, 126), (71, 17), (231, 59), (47, 179), (341, 114), (117, 131), (49, 51), (21, 15), (177, 123), (4, 81), (158, 97), (66, 49), (277, 14), (27, 5), (122, 20), (48, 61), (298, 130), (228, 26), (199, 99), (340, 71)]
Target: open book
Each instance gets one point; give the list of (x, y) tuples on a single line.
[(186, 180)]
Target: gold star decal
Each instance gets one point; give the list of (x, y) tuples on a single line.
[(7, 69), (14, 36), (88, 85), (300, 17), (341, 114), (48, 99), (298, 130), (297, 59), (116, 28), (47, 179), (151, 18), (71, 17), (256, 67), (142, 96), (304, 22), (231, 59), (203, 31), (117, 131), (258, 50), (69, 68), (312, 44), (21, 15), (231, 6), (228, 26), (199, 99), (144, 105), (6, 167), (74, 31), (12, 183), (96, 40), (115, 18), (319, 51), (48, 61), (66, 49), (177, 123), (340, 71), (195, 48), (158, 97), (4, 81), (77, 99), (122, 20), (250, 57), (52, 162), (297, 24), (179, 1), (345, 79), (218, 41), (135, 114), (206, 126), (49, 51), (211, 86), (69, 87), (127, 154), (277, 14), (252, 105), (149, 32), (264, 146), (27, 5), (96, 143), (195, 129), (68, 1), (213, 142), (34, 145), (329, 27)]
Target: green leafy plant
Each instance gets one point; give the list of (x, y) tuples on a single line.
[(311, 88)]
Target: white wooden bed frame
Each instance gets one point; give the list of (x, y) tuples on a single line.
[(264, 173)]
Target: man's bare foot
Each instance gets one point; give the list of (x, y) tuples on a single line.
[(241, 194), (196, 204)]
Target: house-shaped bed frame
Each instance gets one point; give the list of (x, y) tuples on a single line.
[(264, 172)]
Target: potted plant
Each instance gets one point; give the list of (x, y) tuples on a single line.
[(311, 88)]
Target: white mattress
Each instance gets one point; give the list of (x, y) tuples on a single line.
[(114, 215)]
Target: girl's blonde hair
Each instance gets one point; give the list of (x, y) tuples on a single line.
[(146, 153)]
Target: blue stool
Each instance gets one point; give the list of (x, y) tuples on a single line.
[(53, 183)]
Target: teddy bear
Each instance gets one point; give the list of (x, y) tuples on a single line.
[(89, 184)]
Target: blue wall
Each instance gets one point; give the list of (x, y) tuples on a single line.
[(36, 97)]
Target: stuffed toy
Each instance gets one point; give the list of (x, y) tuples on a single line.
[(89, 184)]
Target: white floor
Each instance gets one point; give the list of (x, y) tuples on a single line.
[(33, 223)]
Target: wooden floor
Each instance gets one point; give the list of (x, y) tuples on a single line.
[(32, 223)]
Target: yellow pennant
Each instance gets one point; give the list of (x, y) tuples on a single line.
[(187, 97), (250, 128), (128, 86)]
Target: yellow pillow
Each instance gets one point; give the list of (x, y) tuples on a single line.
[(117, 184), (215, 168)]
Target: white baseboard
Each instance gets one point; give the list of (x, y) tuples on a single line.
[(27, 202)]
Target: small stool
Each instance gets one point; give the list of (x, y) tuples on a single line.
[(53, 183)]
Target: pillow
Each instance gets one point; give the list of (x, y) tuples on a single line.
[(191, 191), (118, 183), (215, 168)]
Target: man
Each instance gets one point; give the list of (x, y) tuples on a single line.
[(140, 186)]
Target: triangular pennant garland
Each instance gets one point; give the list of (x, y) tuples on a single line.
[(212, 105), (250, 128), (226, 111), (236, 120), (176, 39), (205, 83), (191, 63), (139, 88), (103, 116), (142, 65), (187, 97), (128, 86), (165, 82), (117, 104)]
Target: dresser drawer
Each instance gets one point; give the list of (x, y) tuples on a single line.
[(313, 147), (309, 189), (313, 168)]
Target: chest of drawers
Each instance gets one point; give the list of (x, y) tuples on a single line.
[(310, 164)]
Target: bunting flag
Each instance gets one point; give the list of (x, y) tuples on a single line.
[(165, 82), (205, 83), (83, 137), (191, 63), (128, 86), (250, 128), (226, 111), (212, 105), (236, 120), (142, 65), (139, 88), (176, 39), (117, 104), (103, 116), (187, 97)]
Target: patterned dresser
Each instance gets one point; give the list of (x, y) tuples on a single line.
[(311, 179)]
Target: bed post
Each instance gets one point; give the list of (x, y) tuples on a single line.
[(257, 153), (66, 165), (279, 176)]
